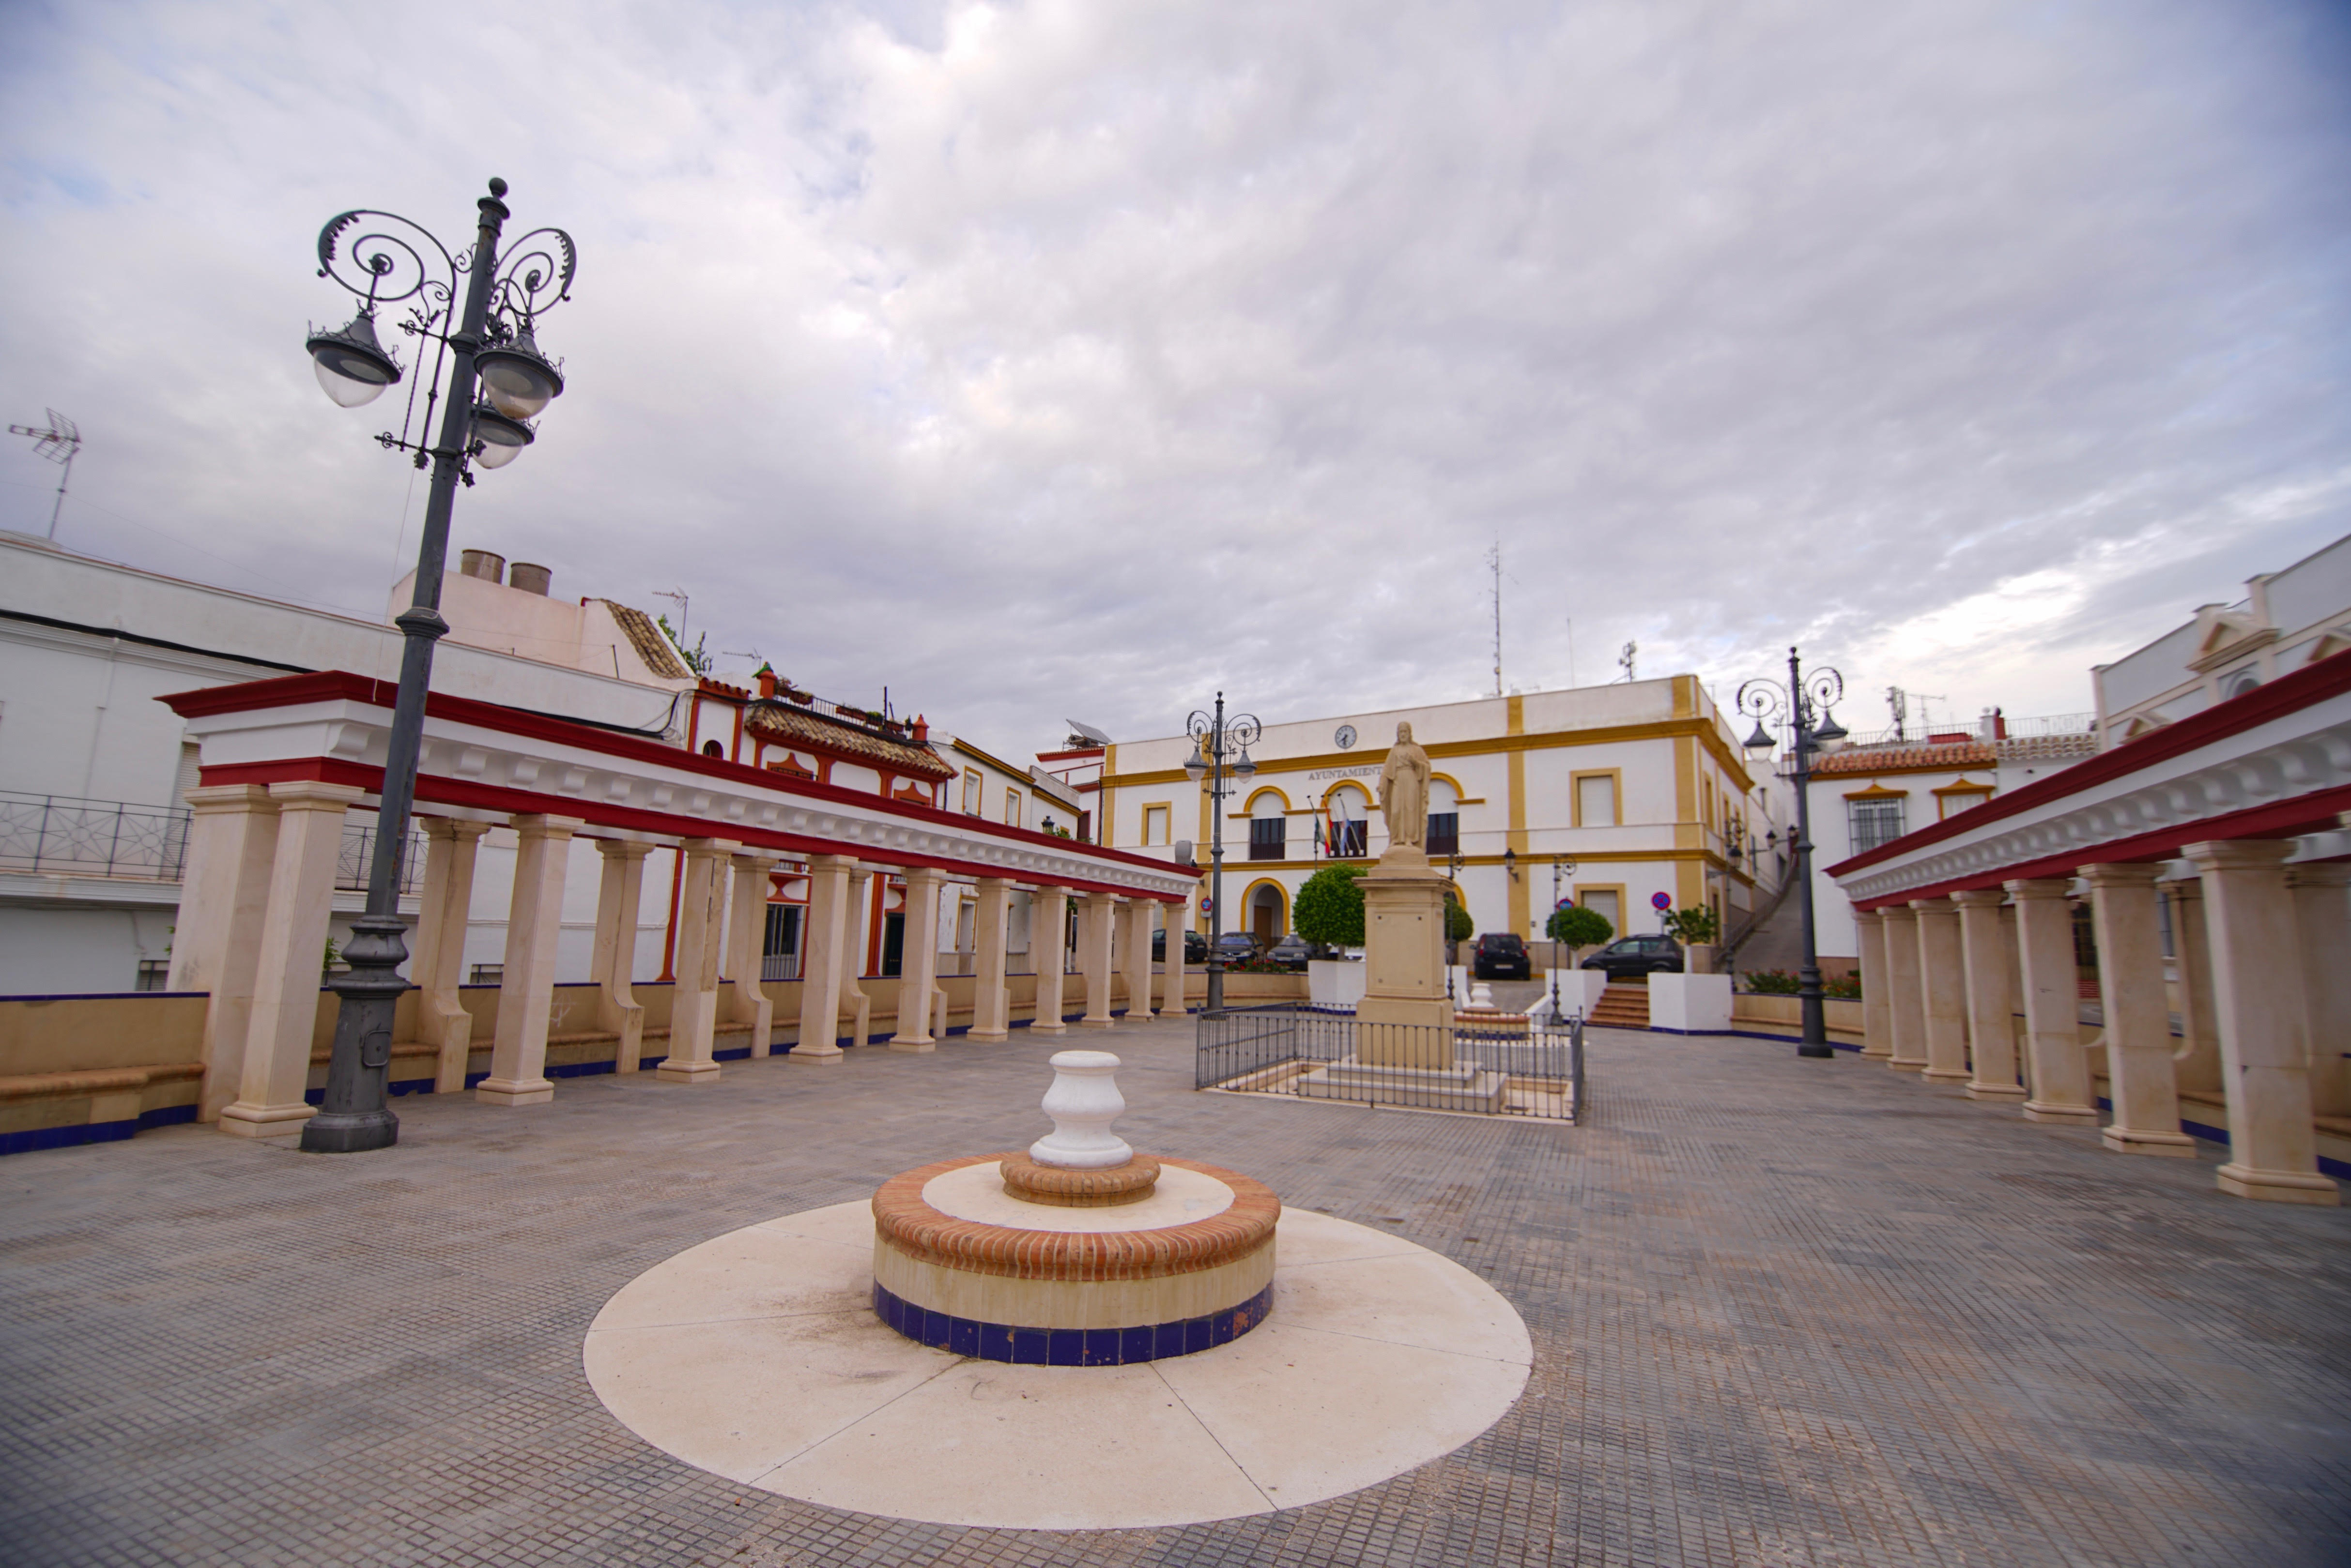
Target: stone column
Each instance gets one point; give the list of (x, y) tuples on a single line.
[(2258, 998), (1177, 920), (1991, 1032), (1048, 914), (991, 1006), (1097, 911), (2321, 914), (857, 925), (2139, 1020), (746, 930), (437, 966), (2053, 1004), (1139, 913), (918, 961), (1942, 989), (527, 984), (820, 944), (1906, 1002), (2196, 1060), (1877, 1017), (274, 1075), (620, 896), (216, 940), (694, 1004)]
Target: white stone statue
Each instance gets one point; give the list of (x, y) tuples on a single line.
[(1404, 791)]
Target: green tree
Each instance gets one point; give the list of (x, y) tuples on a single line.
[(1330, 908), (1698, 925), (1458, 926), (698, 658), (1578, 927)]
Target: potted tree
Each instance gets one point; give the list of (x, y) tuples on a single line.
[(1698, 930), (1579, 930), (1329, 912)]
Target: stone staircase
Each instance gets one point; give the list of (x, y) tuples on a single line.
[(1622, 1006)]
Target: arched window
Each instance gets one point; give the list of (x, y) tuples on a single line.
[(1443, 818), (2242, 682), (713, 749), (1347, 830), (1269, 829)]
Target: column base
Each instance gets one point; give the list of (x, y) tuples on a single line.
[(1901, 1066), (1943, 1075), (1049, 1027), (814, 1056), (1995, 1091), (1876, 1052), (2072, 1116), (242, 1120), (2123, 1140), (677, 1072), (914, 1047), (1090, 1021), (2278, 1186), (514, 1091), (993, 1036)]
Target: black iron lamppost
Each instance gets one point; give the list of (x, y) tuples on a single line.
[(1220, 753), (485, 338), (1803, 704), (1561, 866)]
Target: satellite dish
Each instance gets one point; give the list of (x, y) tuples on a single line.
[(1085, 734)]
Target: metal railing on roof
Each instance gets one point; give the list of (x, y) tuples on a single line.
[(880, 725), (74, 836)]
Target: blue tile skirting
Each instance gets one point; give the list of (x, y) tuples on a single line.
[(93, 1132), (1070, 1347)]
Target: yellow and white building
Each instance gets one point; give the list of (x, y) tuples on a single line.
[(1642, 785)]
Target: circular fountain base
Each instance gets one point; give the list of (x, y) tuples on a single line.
[(966, 1261)]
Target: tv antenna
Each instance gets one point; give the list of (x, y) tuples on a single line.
[(1494, 560), (1624, 660), (58, 443)]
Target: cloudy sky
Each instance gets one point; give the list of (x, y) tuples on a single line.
[(1045, 360)]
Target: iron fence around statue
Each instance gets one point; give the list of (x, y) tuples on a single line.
[(1528, 1066)]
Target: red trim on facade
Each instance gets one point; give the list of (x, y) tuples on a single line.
[(2330, 677), (291, 691), (2280, 819)]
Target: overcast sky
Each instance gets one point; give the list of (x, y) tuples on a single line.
[(1060, 360)]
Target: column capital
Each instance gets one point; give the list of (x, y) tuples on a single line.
[(2121, 873), (1980, 897), (925, 876), (536, 824), (1939, 905), (1897, 912), (313, 794), (825, 862), (453, 828), (621, 848), (756, 859), (707, 848), (2319, 874), (2237, 854), (224, 800), (2034, 890), (1866, 917)]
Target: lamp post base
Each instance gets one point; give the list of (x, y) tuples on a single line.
[(354, 1117), (1824, 1051)]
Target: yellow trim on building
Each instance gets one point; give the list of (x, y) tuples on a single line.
[(1615, 797)]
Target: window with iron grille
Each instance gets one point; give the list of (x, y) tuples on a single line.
[(154, 974), (1875, 822), (780, 946), (1268, 839), (1350, 838)]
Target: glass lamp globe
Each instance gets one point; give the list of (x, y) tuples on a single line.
[(350, 364), (502, 439), (516, 378)]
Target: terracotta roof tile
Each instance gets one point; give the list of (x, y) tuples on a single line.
[(783, 724), (647, 639)]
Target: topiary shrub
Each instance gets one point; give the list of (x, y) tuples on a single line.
[(1577, 927), (1330, 908), (1458, 926)]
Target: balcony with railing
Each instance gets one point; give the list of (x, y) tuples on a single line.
[(66, 836)]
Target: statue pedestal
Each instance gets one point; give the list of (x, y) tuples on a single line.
[(1405, 1019)]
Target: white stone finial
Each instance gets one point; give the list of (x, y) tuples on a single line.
[(1083, 1101)]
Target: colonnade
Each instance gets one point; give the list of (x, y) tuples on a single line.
[(261, 869), (2263, 989)]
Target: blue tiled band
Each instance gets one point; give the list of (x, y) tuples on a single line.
[(1070, 1347)]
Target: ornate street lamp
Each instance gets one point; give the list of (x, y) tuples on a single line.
[(488, 337), (1219, 748), (1802, 704)]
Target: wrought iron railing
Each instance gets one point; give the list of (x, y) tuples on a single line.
[(356, 857), (69, 834), (779, 966), (1529, 1067)]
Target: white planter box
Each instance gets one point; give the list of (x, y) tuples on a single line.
[(1334, 982), (1690, 1003), (1579, 990)]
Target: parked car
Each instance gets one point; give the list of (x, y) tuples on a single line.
[(1292, 950), (1195, 947), (1628, 957), (1499, 955), (1236, 947)]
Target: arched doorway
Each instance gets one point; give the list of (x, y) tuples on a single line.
[(1268, 913)]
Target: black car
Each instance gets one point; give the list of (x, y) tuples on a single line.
[(1293, 951), (1630, 956), (1499, 955), (1236, 947), (1195, 947)]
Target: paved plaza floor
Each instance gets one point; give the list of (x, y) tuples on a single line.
[(1783, 1312)]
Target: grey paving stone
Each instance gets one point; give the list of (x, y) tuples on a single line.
[(1785, 1313)]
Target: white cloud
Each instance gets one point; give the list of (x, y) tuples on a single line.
[(1044, 359)]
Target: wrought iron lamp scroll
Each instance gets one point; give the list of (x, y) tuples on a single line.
[(1803, 706), (1219, 756)]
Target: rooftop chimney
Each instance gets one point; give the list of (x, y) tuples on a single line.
[(767, 678), (482, 563), (529, 579)]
